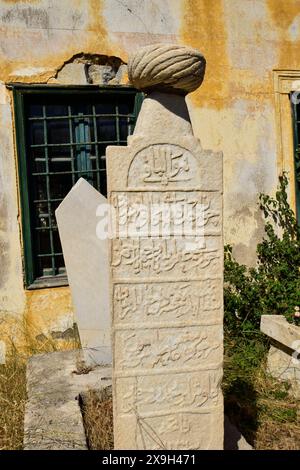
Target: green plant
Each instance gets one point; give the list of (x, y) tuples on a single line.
[(273, 285)]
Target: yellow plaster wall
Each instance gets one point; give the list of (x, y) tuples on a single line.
[(234, 110)]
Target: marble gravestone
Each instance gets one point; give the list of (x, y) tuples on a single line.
[(86, 259), (166, 266)]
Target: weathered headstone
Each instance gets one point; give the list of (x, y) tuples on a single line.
[(166, 264), (86, 259)]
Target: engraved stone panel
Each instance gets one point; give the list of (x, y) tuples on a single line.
[(167, 348), (178, 431), (156, 394), (176, 258), (171, 431), (192, 301)]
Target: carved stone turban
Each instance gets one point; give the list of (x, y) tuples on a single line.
[(167, 67)]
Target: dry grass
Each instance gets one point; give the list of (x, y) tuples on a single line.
[(278, 415), (13, 386), (271, 436), (97, 411), (12, 402)]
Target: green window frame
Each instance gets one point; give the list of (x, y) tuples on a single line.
[(88, 117), (296, 123)]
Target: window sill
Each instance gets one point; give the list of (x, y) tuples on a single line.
[(46, 282)]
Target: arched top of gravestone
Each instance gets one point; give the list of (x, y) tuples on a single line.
[(170, 68)]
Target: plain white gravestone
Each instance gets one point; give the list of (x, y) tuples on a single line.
[(86, 259)]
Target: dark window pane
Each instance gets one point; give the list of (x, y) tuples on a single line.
[(44, 242), (101, 156), (35, 110), (59, 153), (45, 266), (38, 159), (105, 107), (53, 206), (106, 129), (124, 128), (60, 265), (124, 108), (126, 105), (60, 185), (92, 153), (58, 131), (81, 108), (56, 242), (36, 132), (60, 159), (39, 187), (298, 126), (103, 183), (42, 214), (60, 166), (57, 110)]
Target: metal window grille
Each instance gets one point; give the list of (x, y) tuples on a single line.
[(65, 136), (296, 116)]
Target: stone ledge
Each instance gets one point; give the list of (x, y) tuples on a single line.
[(278, 329), (53, 419), (282, 361)]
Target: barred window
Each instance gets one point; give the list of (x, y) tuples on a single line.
[(62, 135), (296, 116)]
